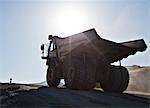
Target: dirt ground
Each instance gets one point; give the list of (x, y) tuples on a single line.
[(42, 96)]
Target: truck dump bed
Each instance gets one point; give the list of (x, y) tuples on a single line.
[(117, 51), (111, 50)]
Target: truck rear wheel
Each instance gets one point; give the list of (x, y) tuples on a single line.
[(116, 80), (125, 79), (52, 77), (79, 72)]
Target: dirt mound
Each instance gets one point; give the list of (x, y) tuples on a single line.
[(139, 78)]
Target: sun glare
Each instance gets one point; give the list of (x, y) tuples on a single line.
[(70, 20)]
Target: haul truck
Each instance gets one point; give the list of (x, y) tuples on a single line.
[(85, 58)]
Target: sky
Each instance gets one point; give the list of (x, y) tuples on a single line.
[(26, 24)]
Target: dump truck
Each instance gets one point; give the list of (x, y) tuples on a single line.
[(85, 58)]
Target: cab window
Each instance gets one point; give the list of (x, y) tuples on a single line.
[(52, 48)]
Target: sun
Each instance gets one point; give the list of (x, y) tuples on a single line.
[(70, 20)]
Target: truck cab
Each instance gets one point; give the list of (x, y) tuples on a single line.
[(49, 50)]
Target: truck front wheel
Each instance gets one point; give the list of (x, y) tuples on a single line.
[(52, 77)]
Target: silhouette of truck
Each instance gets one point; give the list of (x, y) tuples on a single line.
[(85, 58)]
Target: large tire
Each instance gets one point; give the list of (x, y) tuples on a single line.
[(116, 79), (52, 76), (79, 72), (125, 77)]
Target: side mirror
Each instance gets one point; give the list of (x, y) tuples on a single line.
[(42, 47)]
